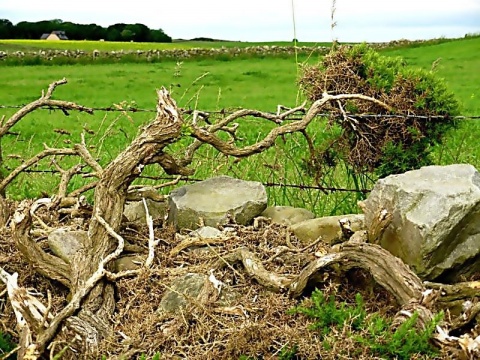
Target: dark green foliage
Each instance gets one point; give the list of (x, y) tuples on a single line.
[(118, 32), (404, 342), (383, 145), (6, 345), (374, 333), (328, 314)]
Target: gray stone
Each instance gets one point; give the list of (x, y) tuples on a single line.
[(188, 286), (327, 227), (213, 201), (129, 262), (135, 211), (64, 243), (206, 232), (435, 224), (193, 287), (287, 215)]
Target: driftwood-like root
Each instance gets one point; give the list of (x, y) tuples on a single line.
[(89, 276)]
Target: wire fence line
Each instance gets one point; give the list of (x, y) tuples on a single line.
[(324, 189), (226, 112)]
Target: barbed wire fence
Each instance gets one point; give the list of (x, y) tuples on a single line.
[(226, 112)]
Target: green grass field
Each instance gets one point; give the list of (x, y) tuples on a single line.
[(35, 45), (212, 85)]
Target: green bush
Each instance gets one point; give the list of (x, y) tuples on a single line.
[(6, 345), (383, 145), (328, 314), (374, 333)]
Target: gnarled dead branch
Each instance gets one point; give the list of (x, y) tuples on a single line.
[(89, 276), (45, 100)]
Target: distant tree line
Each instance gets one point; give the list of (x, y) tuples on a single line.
[(117, 32)]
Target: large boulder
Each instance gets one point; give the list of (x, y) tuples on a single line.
[(215, 201), (435, 226)]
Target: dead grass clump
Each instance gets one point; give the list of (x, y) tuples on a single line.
[(254, 323)]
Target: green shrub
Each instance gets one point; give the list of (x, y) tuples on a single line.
[(374, 333), (369, 144), (6, 345), (328, 314)]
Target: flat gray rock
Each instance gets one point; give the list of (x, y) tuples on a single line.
[(189, 287), (206, 232), (64, 243), (214, 200), (435, 224)]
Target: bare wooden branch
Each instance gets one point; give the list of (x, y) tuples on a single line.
[(77, 298), (170, 165), (458, 291), (44, 100), (207, 135), (85, 188), (253, 266), (151, 237), (46, 264), (66, 176), (25, 165), (158, 186), (151, 251), (87, 157)]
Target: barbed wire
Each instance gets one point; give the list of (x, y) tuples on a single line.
[(226, 112), (324, 189)]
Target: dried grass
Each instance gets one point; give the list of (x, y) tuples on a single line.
[(256, 323)]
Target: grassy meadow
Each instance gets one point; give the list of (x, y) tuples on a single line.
[(86, 45), (206, 84)]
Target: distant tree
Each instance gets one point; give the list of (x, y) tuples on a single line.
[(117, 32), (141, 33), (6, 29), (72, 30), (56, 22), (127, 34), (113, 34), (159, 36), (96, 32)]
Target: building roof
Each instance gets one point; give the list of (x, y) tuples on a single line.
[(61, 35)]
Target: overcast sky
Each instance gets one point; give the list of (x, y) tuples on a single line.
[(266, 20)]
